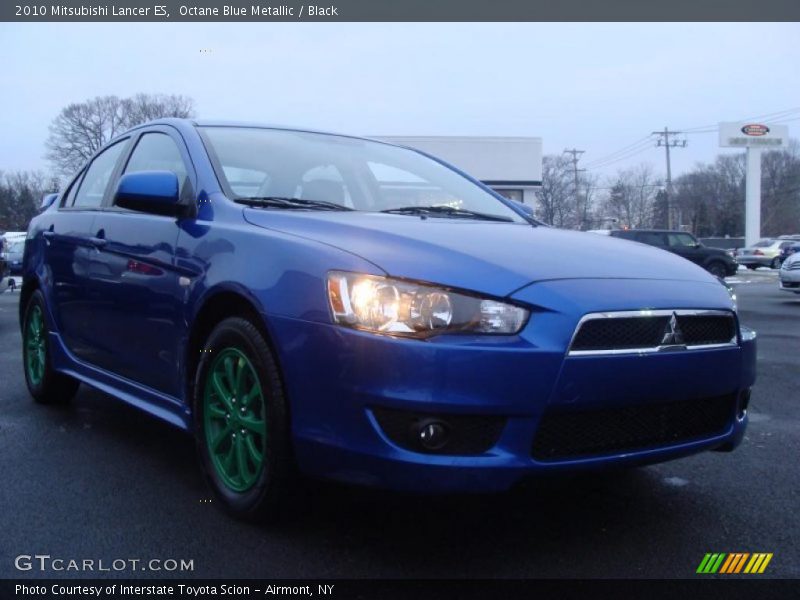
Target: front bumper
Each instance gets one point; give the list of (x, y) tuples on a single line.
[(789, 280), (336, 378)]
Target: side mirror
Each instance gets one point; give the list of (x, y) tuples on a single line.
[(154, 192), (525, 208), (47, 201)]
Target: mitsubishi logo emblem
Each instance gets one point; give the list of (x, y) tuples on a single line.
[(673, 336)]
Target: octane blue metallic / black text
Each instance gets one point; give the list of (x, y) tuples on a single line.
[(369, 314)]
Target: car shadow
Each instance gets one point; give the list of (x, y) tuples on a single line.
[(403, 534)]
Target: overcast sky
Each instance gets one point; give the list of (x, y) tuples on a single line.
[(598, 87)]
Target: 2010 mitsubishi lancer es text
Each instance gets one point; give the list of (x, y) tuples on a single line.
[(367, 313)]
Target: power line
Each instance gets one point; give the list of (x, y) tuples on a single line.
[(645, 140), (773, 116), (602, 164)]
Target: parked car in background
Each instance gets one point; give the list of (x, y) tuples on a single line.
[(716, 261), (359, 311), (13, 247), (764, 253), (3, 263), (789, 274)]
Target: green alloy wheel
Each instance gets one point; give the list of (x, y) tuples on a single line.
[(44, 384), (241, 422), (35, 350), (235, 422)]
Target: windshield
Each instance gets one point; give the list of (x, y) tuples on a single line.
[(352, 173)]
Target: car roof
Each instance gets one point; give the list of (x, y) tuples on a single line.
[(179, 123)]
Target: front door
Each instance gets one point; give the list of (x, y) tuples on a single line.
[(685, 245), (137, 296)]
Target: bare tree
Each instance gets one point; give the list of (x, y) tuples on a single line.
[(556, 196), (20, 195), (147, 107), (584, 210), (632, 196), (81, 128), (780, 190)]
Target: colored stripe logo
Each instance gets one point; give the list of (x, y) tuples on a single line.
[(734, 562)]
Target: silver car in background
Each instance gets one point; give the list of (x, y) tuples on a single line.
[(764, 253)]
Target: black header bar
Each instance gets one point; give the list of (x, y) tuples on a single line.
[(400, 10)]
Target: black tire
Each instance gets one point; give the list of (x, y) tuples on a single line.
[(717, 269), (267, 497), (53, 387), (752, 267), (776, 263)]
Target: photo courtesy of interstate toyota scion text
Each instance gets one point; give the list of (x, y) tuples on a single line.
[(340, 308)]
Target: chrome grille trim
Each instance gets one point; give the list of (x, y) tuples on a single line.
[(645, 313)]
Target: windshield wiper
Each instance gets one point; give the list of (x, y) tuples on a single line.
[(446, 211), (284, 202)]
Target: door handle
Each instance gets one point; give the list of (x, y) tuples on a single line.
[(97, 242), (49, 234)]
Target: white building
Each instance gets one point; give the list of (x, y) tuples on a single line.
[(510, 165)]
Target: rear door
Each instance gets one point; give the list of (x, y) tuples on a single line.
[(69, 247), (137, 297)]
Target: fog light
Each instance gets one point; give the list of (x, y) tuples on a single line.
[(432, 434)]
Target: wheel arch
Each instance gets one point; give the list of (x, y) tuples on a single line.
[(216, 306), (29, 286)]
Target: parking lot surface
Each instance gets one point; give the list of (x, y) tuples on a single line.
[(99, 480)]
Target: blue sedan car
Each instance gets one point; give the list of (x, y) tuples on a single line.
[(354, 310)]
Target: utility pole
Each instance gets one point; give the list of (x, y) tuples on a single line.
[(663, 140), (575, 157)]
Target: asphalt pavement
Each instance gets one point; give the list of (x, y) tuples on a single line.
[(98, 480)]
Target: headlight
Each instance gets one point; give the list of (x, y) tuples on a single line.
[(392, 306), (732, 294)]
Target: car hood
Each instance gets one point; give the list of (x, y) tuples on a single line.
[(496, 258)]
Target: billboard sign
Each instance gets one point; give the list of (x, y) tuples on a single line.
[(752, 134)]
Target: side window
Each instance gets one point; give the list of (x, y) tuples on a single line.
[(157, 152), (69, 197), (651, 237), (678, 240), (93, 187)]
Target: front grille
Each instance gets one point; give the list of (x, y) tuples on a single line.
[(640, 330), (701, 329), (466, 434), (619, 333), (572, 434)]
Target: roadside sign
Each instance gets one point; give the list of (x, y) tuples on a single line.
[(748, 134)]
